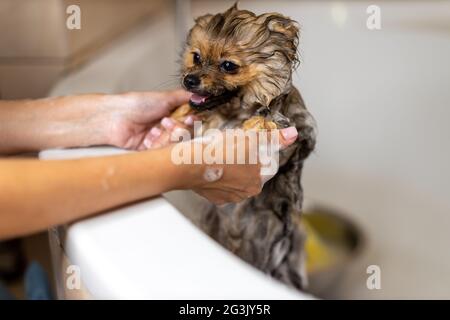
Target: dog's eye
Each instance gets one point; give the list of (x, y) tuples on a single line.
[(196, 58), (229, 66)]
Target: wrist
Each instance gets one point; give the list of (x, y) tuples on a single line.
[(90, 119), (114, 122), (74, 121)]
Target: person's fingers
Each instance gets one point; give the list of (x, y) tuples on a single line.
[(178, 130), (288, 136), (167, 131), (176, 98), (158, 135), (268, 150), (218, 196), (151, 136), (168, 123), (162, 141), (190, 119)]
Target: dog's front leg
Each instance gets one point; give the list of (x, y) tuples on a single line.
[(181, 112), (258, 123)]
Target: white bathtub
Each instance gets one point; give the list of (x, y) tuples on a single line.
[(382, 102), (149, 250)]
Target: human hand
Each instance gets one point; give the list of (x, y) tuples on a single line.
[(223, 183), (166, 131), (131, 116)]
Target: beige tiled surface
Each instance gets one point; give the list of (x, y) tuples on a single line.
[(144, 59), (37, 29), (28, 80), (36, 47), (103, 20), (32, 28)]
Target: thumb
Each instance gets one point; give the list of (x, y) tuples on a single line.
[(286, 137)]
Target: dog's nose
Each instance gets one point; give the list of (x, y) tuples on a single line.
[(191, 81)]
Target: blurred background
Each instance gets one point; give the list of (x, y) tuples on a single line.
[(381, 99)]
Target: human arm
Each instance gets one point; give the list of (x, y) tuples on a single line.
[(38, 194), (122, 120)]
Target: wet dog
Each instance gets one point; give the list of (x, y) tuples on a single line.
[(239, 65)]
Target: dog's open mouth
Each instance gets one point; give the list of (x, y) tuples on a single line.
[(202, 102)]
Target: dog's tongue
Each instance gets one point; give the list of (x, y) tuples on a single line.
[(196, 98)]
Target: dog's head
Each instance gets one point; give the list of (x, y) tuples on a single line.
[(237, 53)]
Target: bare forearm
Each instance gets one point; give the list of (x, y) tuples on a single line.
[(31, 125), (38, 194)]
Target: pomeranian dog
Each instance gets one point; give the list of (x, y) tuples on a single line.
[(239, 66)]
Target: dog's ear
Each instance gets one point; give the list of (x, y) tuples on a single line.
[(278, 23), (280, 36), (285, 30), (202, 21), (284, 25)]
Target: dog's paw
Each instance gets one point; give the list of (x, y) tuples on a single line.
[(182, 112), (258, 123)]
